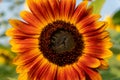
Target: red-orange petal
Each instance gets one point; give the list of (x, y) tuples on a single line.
[(31, 19), (39, 69), (92, 73), (24, 41), (23, 47), (99, 37), (100, 53), (51, 73), (37, 11), (44, 6), (26, 61), (104, 64), (24, 27), (92, 29), (89, 61), (62, 9), (80, 72), (23, 57), (79, 12), (55, 8), (103, 44), (26, 65), (70, 73), (69, 9), (61, 74), (16, 34), (87, 21)]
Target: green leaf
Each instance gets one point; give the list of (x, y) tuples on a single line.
[(97, 5), (116, 18)]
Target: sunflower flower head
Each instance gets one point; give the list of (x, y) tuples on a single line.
[(59, 41)]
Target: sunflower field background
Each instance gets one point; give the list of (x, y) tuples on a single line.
[(109, 10)]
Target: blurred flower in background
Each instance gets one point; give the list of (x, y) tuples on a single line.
[(118, 57), (114, 21), (114, 29), (5, 56), (110, 11)]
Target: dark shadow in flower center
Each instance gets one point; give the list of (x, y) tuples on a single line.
[(61, 43)]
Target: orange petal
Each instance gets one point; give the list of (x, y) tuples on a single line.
[(37, 10), (79, 12), (51, 73), (100, 53), (62, 9), (61, 74), (80, 72), (22, 58), (31, 19), (71, 73), (23, 47), (23, 76), (93, 28), (98, 37), (27, 64), (24, 41), (104, 64), (89, 61), (55, 8), (87, 21), (46, 8), (69, 9), (16, 34), (98, 44), (38, 70), (24, 27), (92, 73)]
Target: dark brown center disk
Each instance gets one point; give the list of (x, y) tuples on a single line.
[(61, 43)]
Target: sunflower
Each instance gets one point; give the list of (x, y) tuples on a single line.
[(59, 41)]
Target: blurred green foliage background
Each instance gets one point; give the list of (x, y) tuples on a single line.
[(11, 9)]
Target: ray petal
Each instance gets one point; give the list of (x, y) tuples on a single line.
[(69, 9), (62, 9), (61, 74), (44, 6), (55, 8), (70, 73), (80, 72), (16, 34), (89, 61), (37, 11), (92, 73), (87, 21), (104, 65), (51, 73), (79, 12), (38, 71), (31, 19), (24, 27)]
